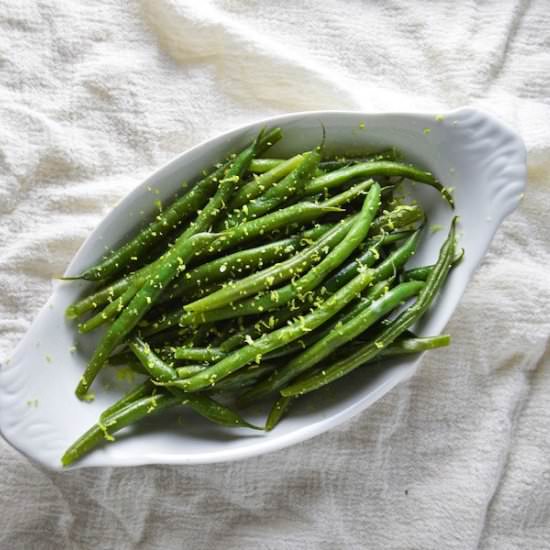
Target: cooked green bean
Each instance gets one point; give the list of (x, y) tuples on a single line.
[(297, 213), (343, 162), (168, 219), (291, 185), (272, 300), (189, 370), (259, 199), (353, 237), (262, 183), (245, 377), (110, 311), (267, 323), (394, 261), (129, 317), (349, 194), (198, 354), (278, 410), (262, 165), (391, 332), (202, 222), (375, 291), (421, 273), (103, 431), (233, 265), (281, 337), (401, 216), (276, 274), (405, 346), (165, 322), (241, 262), (371, 169), (141, 390), (312, 355), (201, 404)]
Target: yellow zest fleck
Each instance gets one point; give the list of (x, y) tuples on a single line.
[(106, 434)]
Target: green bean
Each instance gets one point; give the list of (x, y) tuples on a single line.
[(98, 298), (367, 258), (391, 332), (292, 185), (421, 273), (144, 389), (165, 322), (268, 323), (242, 262), (189, 370), (357, 232), (198, 354), (202, 222), (349, 194), (233, 265), (230, 181), (384, 270), (259, 185), (110, 311), (354, 309), (262, 165), (278, 410), (281, 337), (272, 300), (172, 262), (401, 216), (276, 274), (153, 364), (201, 404), (405, 346), (299, 346), (167, 220), (166, 268), (343, 162), (390, 238), (398, 348), (297, 213), (103, 431), (214, 411), (402, 346), (338, 255), (346, 273), (344, 333), (245, 377), (371, 255), (370, 169)]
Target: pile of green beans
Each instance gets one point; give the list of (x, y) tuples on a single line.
[(267, 279)]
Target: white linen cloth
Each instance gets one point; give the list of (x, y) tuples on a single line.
[(94, 95)]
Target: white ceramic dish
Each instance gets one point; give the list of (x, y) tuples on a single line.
[(467, 149)]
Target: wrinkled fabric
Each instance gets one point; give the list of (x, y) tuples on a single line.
[(94, 95)]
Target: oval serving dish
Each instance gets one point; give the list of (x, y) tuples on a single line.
[(468, 150)]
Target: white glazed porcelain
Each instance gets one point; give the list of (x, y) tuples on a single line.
[(466, 149)]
